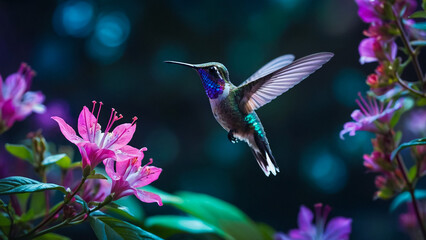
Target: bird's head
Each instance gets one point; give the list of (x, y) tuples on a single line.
[(213, 75)]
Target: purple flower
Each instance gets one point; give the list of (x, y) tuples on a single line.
[(370, 10), (16, 102), (370, 114), (372, 50), (338, 228), (128, 176)]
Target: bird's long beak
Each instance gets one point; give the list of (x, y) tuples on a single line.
[(182, 63)]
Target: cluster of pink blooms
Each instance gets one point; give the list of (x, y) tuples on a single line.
[(375, 115), (16, 101), (123, 163)]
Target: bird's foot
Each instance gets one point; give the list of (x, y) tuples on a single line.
[(231, 137)]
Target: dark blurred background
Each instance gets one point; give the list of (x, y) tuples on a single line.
[(113, 51)]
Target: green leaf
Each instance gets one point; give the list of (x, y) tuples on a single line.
[(397, 137), (166, 226), (97, 176), (4, 219), (419, 14), (418, 43), (406, 197), (17, 184), (267, 231), (412, 173), (52, 236), (119, 211), (106, 227), (38, 203), (55, 158), (421, 102), (385, 193), (131, 202), (424, 4), (212, 211), (415, 142), (20, 151)]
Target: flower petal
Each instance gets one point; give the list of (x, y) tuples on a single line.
[(304, 219), (366, 51), (86, 125), (121, 136), (148, 175), (14, 86), (126, 152), (31, 102), (95, 155), (109, 168), (68, 131), (338, 228), (147, 197)]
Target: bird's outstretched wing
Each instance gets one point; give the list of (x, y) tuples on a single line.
[(270, 67), (262, 88)]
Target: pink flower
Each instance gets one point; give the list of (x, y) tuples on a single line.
[(372, 50), (370, 114), (96, 190), (128, 176), (338, 228), (16, 102), (95, 145)]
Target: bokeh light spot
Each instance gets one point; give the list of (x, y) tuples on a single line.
[(323, 170), (74, 18), (112, 29)]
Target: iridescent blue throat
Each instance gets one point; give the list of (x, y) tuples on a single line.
[(214, 86)]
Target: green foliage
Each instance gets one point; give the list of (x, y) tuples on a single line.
[(17, 184), (419, 14), (406, 197), (20, 151), (415, 142), (56, 158), (220, 215), (106, 227), (52, 236), (166, 226), (96, 176), (122, 212)]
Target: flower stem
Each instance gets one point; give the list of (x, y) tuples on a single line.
[(410, 187), (48, 219), (414, 91), (410, 50)]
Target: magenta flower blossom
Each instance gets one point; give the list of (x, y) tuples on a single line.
[(95, 145), (370, 10), (370, 114), (338, 228), (96, 190), (16, 102), (128, 176), (372, 50)]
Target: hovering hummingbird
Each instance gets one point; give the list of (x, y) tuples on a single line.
[(234, 107)]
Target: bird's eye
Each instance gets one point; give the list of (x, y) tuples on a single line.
[(213, 71)]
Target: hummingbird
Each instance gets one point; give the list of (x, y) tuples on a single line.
[(234, 106)]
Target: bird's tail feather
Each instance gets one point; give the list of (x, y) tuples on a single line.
[(264, 156)]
